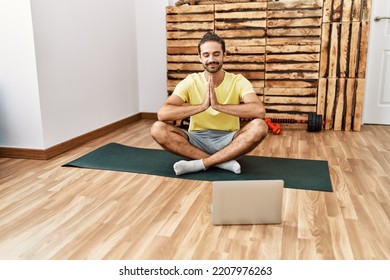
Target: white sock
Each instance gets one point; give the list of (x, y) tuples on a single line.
[(188, 166), (231, 165)]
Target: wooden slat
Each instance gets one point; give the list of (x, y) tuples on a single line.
[(176, 76), (292, 76), (189, 18), (245, 58), (291, 108), (293, 49), (259, 92), (256, 15), (290, 91), (357, 119), (251, 33), (182, 58), (240, 25), (185, 67), (356, 10), (182, 50), (290, 32), (246, 42), (244, 66), (195, 9), (324, 66), (293, 41), (292, 67), (354, 47), (288, 4), (293, 57), (337, 9), (251, 75), (333, 51), (347, 11), (285, 116), (290, 84), (331, 95), (182, 35), (321, 97), (173, 83), (273, 14), (240, 7), (327, 11), (363, 49), (245, 49), (366, 11), (182, 43), (339, 111), (344, 49), (258, 83), (271, 23), (349, 94), (290, 100), (190, 26)]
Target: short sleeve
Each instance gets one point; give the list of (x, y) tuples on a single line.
[(181, 89), (245, 86)]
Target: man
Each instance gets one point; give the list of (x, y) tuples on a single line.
[(215, 100)]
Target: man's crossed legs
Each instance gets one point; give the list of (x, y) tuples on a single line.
[(176, 141)]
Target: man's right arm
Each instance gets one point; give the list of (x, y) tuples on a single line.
[(174, 109)]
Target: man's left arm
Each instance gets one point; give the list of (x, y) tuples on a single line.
[(251, 107)]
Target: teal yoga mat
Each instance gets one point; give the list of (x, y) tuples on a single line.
[(296, 173)]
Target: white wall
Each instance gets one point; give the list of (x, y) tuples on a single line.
[(87, 64), (20, 118), (93, 62), (151, 41)]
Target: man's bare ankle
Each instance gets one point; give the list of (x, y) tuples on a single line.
[(206, 163)]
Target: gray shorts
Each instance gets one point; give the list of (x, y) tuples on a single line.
[(210, 141)]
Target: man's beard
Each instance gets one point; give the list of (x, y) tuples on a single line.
[(216, 66)]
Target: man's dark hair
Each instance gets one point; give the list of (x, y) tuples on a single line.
[(212, 37)]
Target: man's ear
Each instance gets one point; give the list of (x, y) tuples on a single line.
[(200, 59)]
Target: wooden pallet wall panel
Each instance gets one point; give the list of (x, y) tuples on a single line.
[(185, 26), (243, 27), (300, 55), (344, 46), (346, 10), (292, 58)]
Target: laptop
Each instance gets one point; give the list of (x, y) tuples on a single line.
[(247, 202)]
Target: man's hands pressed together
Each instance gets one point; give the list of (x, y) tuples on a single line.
[(213, 97), (210, 99)]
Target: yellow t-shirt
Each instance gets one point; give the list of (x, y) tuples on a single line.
[(231, 91)]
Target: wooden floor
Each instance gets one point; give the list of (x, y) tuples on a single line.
[(53, 212)]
